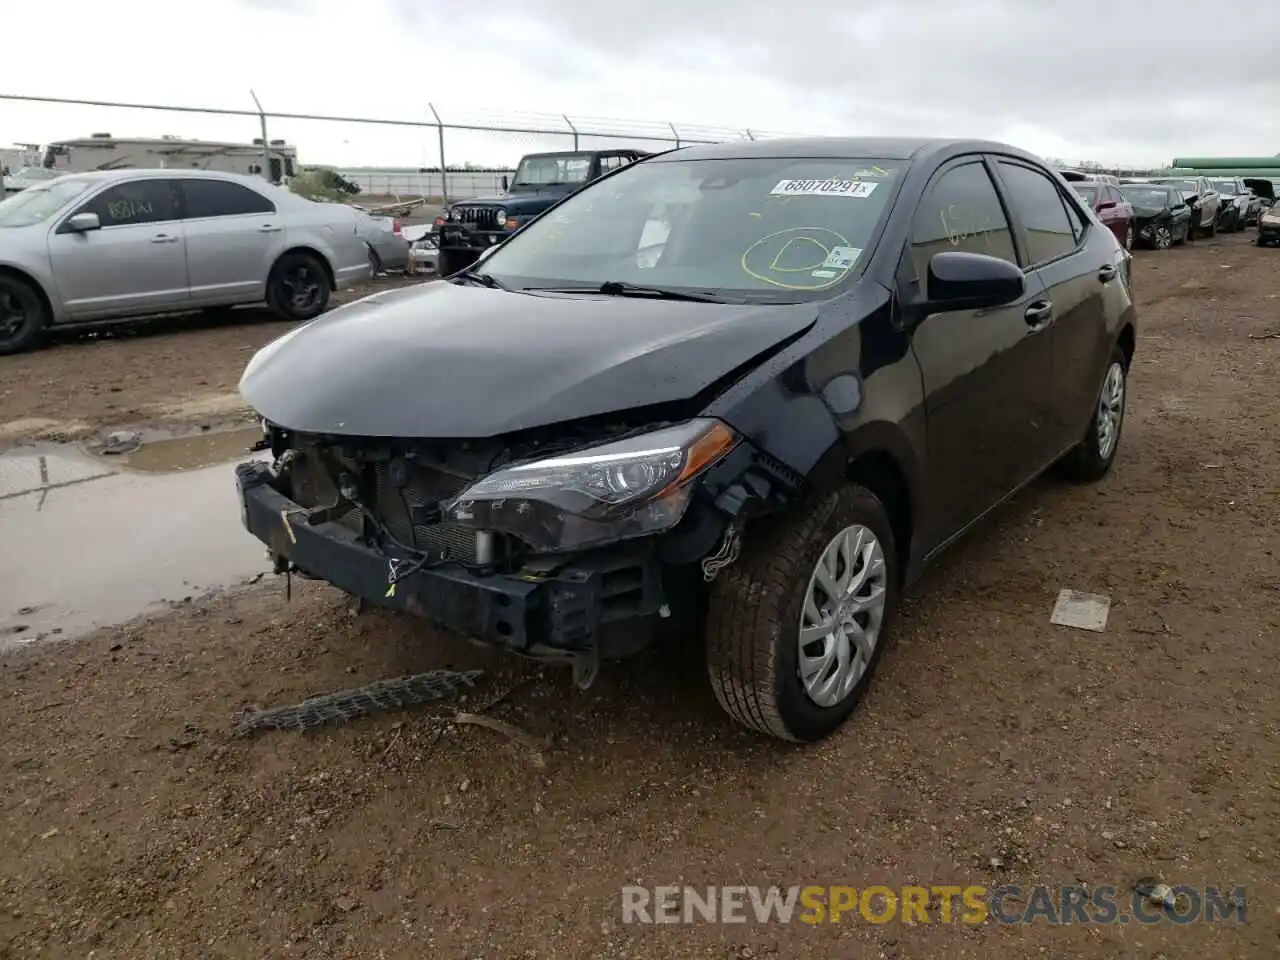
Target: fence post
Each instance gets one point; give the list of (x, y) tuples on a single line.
[(266, 144), (444, 176), (675, 133), (573, 128)]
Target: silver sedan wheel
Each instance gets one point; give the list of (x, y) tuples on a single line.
[(1110, 410), (844, 607)]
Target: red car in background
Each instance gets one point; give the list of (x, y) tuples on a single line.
[(1110, 206)]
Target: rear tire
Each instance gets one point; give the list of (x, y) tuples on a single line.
[(1092, 458), (759, 604), (298, 288), (1128, 236), (375, 262), (1212, 229), (23, 315)]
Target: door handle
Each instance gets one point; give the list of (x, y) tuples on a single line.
[(268, 228), (163, 238), (1107, 272), (1039, 315)]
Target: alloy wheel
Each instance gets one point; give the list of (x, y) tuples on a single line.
[(1110, 410), (301, 288), (1164, 238), (1128, 237), (844, 607), (13, 315)]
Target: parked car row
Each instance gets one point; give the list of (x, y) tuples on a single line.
[(108, 245), (1159, 212)]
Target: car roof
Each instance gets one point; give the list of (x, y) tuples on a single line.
[(836, 148), (143, 173)]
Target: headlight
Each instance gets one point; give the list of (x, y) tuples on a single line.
[(614, 491), (502, 218)]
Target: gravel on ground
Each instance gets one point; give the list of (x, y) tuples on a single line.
[(993, 748)]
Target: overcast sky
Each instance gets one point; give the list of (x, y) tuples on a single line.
[(1126, 81)]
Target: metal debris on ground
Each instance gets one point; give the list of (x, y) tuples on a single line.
[(398, 694), (1084, 611), (528, 740)]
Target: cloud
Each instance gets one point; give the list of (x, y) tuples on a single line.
[(1133, 82)]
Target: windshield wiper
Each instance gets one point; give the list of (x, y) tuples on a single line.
[(619, 288), (484, 279)]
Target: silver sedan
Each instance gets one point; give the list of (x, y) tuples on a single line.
[(106, 245)]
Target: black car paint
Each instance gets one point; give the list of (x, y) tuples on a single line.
[(400, 365), (944, 413), (1176, 216)]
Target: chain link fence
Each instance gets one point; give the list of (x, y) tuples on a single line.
[(441, 154)]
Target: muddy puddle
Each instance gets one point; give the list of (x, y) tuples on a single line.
[(92, 539)]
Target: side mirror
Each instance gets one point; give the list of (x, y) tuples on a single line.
[(506, 184), (84, 222), (972, 281)]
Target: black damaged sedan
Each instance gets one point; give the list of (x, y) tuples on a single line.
[(753, 388)]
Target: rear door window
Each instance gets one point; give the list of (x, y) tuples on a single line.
[(222, 198), (1043, 212)]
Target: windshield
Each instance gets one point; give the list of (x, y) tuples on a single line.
[(1146, 196), (37, 204), (1088, 192), (552, 169), (781, 229), (1224, 186), (1186, 186)]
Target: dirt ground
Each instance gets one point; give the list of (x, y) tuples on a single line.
[(168, 371), (993, 747)]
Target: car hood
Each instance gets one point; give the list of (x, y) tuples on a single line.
[(1263, 188), (447, 360), (541, 194), (1149, 213)]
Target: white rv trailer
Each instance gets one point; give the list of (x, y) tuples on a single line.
[(105, 152)]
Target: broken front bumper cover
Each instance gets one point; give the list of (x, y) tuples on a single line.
[(552, 613)]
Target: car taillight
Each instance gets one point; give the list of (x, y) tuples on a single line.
[(395, 227)]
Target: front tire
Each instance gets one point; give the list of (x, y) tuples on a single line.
[(23, 316), (1091, 460), (298, 288), (796, 628), (1162, 238)]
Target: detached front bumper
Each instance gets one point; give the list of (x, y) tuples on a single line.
[(548, 612)]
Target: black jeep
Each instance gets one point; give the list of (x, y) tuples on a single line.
[(467, 228)]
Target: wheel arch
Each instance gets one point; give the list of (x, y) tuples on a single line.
[(311, 252), (1127, 341), (17, 273), (880, 457)]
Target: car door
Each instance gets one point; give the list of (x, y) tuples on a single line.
[(985, 372), (234, 234), (135, 262), (1075, 270)]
